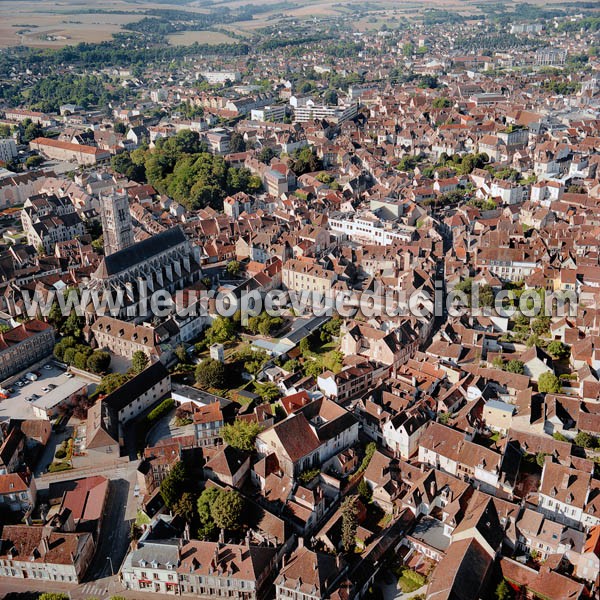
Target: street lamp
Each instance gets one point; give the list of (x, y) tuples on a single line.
[(112, 571)]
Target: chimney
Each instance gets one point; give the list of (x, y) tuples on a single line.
[(45, 546), (300, 542), (432, 488)]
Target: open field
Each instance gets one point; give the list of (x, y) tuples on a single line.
[(55, 24), (185, 38)]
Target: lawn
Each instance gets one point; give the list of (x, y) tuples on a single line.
[(141, 519), (410, 580)]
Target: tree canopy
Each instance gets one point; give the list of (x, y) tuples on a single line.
[(241, 434), (549, 383), (210, 373)]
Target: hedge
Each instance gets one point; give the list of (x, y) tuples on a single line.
[(161, 410), (56, 467)]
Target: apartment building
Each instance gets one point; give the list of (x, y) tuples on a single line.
[(41, 553), (299, 275), (24, 345)]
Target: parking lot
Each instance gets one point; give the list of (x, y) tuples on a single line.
[(31, 399)]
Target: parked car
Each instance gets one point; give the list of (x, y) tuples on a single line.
[(48, 367), (31, 376), (45, 389)]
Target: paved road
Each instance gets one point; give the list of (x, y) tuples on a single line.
[(114, 539)]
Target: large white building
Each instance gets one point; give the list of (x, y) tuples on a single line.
[(268, 113), (218, 77), (306, 109), (369, 229)]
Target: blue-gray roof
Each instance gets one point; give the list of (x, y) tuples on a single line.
[(499, 405)]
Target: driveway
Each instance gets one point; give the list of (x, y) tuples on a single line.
[(166, 428), (388, 585)]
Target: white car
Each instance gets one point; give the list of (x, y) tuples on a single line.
[(47, 367), (69, 375), (45, 389)]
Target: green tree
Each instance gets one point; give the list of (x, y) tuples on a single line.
[(227, 509), (111, 382), (549, 383), (306, 161), (504, 591), (73, 325), (585, 440), (32, 131), (313, 368), (541, 325), (486, 296), (515, 366), (369, 452), (268, 391), (441, 102), (210, 373), (55, 316), (181, 354), (364, 491), (53, 596), (304, 346), (69, 356), (558, 350), (184, 507), (540, 458), (222, 330), (266, 155), (233, 268), (98, 361), (34, 161), (173, 485), (291, 366), (241, 434), (139, 361), (207, 523), (237, 142), (80, 360), (349, 510), (444, 418), (498, 362)]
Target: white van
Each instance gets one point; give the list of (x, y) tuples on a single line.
[(31, 376)]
